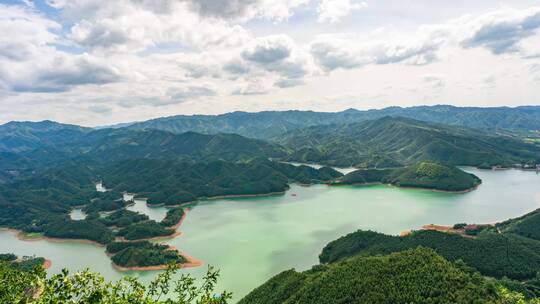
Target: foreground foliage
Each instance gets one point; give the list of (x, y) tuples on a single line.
[(25, 263), (86, 287)]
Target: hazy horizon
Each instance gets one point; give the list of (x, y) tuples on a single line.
[(254, 112)]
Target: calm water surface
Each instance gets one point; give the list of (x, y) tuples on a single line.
[(77, 214), (252, 239), (154, 213)]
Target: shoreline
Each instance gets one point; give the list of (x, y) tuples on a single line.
[(444, 229), (181, 221), (47, 264), (161, 237), (413, 188), (211, 198), (190, 262), (21, 235), (154, 238), (243, 195)]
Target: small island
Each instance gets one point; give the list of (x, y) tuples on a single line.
[(143, 255), (24, 263), (424, 175)]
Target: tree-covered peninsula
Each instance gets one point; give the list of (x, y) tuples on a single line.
[(426, 175), (509, 250)]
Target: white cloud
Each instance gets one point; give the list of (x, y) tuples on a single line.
[(333, 10), (271, 57), (159, 57), (29, 63), (288, 83), (436, 81), (270, 49), (179, 95), (501, 31), (131, 26), (244, 10), (350, 51), (100, 109), (63, 72), (23, 32), (253, 87)]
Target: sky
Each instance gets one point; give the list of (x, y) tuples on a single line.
[(101, 62)]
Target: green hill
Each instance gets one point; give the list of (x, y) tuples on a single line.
[(508, 249), (412, 276), (493, 254), (527, 225), (422, 175), (111, 144), (24, 136), (396, 141), (181, 182), (57, 147)]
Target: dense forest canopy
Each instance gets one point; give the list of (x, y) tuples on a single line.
[(427, 175), (508, 251), (412, 276)]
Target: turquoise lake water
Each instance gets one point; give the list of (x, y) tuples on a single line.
[(252, 239)]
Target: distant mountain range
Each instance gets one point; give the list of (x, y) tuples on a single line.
[(389, 141), (22, 136), (525, 119)]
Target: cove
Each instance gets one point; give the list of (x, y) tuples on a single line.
[(252, 239)]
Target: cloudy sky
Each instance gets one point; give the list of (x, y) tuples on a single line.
[(96, 62)]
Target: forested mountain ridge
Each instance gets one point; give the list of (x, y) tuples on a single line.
[(118, 144), (398, 141), (525, 119), (24, 136), (385, 142), (100, 146), (412, 276)]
